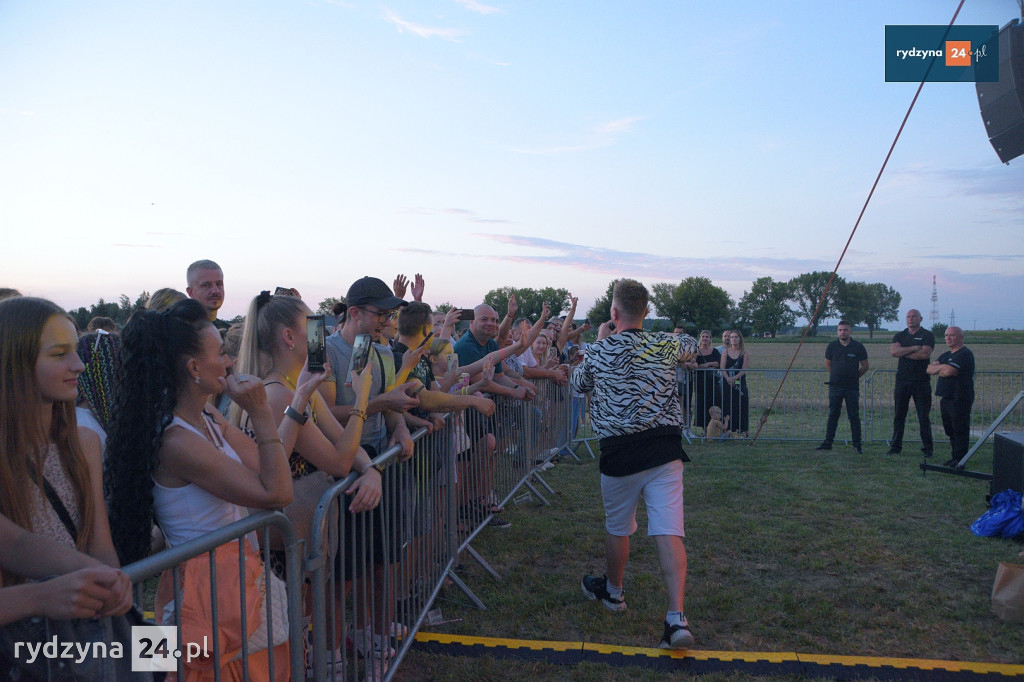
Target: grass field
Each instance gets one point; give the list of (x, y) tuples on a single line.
[(777, 353), (789, 551)]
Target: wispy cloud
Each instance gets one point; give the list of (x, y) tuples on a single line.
[(989, 180), (635, 263), (465, 213), (479, 8), (601, 135), (450, 34)]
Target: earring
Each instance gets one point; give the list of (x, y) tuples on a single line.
[(291, 346), (197, 378)]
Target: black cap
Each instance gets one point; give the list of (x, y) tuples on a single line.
[(372, 291)]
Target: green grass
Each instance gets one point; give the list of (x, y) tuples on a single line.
[(789, 551)]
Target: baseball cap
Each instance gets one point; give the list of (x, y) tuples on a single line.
[(372, 291)]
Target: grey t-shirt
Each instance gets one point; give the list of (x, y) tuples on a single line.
[(339, 354)]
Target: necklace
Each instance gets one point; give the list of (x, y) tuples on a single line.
[(288, 382), (204, 430)]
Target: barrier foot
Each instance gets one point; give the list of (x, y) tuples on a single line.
[(466, 591), (589, 449), (483, 562), (534, 489), (570, 449)]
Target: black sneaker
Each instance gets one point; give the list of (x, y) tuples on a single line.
[(824, 446), (953, 463), (676, 636), (497, 522), (859, 449), (595, 588), (927, 452)]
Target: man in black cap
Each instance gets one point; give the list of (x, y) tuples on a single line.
[(371, 304)]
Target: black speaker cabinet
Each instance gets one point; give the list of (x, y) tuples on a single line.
[(1008, 462), (1002, 103)]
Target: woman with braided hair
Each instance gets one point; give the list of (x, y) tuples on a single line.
[(172, 458), (100, 351)]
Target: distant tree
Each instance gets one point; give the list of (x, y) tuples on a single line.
[(695, 302), (443, 307), (852, 300), (939, 329), (883, 306), (530, 301), (668, 305), (806, 291), (326, 306), (601, 311), (764, 307)]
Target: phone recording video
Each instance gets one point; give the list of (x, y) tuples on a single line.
[(316, 340), (360, 355)]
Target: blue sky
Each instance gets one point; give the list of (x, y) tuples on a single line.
[(488, 144)]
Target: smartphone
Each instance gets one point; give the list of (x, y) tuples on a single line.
[(453, 363), (426, 340), (316, 339), (284, 291), (466, 314), (360, 354)]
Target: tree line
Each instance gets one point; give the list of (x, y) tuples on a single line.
[(769, 305)]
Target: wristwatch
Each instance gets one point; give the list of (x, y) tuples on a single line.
[(300, 417)]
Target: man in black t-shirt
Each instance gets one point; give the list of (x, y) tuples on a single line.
[(955, 369), (913, 346), (846, 361)]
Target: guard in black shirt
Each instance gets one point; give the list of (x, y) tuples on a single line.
[(955, 387), (913, 346), (846, 361)]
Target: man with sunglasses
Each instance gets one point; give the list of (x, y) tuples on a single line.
[(371, 304)]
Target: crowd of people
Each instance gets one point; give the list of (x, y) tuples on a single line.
[(121, 442)]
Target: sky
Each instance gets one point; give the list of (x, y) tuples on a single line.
[(491, 143)]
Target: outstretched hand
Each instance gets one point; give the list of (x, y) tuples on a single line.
[(399, 286)]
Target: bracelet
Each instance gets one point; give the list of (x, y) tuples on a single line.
[(268, 441), (358, 413), (465, 390), (296, 415), (501, 354)]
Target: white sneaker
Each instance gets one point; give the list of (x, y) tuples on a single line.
[(368, 644)]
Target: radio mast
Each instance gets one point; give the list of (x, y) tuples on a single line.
[(935, 302)]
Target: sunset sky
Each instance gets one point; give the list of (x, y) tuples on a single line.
[(493, 143)]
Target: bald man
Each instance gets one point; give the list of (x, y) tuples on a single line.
[(912, 347), (955, 387)]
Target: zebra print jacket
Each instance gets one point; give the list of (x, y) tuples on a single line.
[(632, 375)]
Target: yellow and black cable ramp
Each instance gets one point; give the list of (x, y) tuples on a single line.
[(698, 662)]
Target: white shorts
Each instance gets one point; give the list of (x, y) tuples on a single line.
[(662, 490)]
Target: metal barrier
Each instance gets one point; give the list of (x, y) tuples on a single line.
[(375, 574), (172, 558), (801, 409)]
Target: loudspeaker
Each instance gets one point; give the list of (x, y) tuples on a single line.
[(1008, 462), (1002, 103)]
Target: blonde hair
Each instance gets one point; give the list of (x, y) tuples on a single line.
[(267, 314)]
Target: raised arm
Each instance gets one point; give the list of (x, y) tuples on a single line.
[(506, 322), (563, 333)]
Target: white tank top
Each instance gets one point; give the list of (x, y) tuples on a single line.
[(189, 511)]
